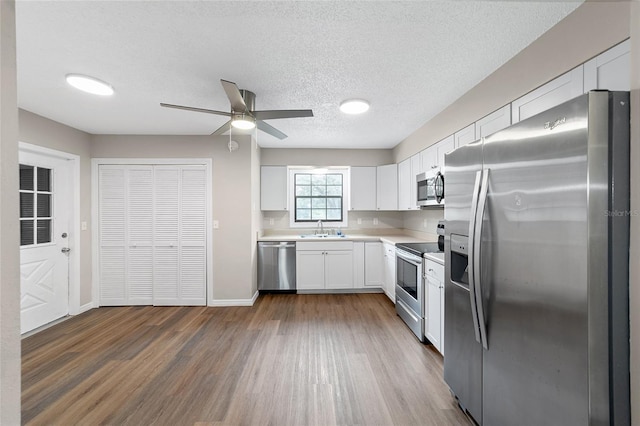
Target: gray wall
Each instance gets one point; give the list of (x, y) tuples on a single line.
[(234, 242), (325, 157), (41, 131), (9, 243), (634, 252), (591, 29)]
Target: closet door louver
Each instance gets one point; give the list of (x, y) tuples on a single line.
[(139, 235), (111, 233), (193, 235)]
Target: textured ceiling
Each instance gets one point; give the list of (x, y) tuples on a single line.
[(409, 59)]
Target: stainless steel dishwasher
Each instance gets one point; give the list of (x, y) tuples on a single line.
[(277, 266)]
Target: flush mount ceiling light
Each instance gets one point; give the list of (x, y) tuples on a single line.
[(243, 121), (354, 106), (90, 84)]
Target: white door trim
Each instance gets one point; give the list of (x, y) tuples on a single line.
[(74, 237), (97, 162)]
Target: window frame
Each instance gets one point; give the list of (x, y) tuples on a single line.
[(344, 171)]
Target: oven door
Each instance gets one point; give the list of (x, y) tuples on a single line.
[(409, 286)]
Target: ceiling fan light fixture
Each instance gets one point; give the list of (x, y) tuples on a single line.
[(89, 84), (354, 106), (243, 121)]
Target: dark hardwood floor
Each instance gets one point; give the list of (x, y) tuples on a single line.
[(288, 360)]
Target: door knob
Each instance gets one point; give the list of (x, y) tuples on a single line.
[(65, 249)]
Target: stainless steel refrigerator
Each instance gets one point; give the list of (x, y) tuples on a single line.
[(536, 254)]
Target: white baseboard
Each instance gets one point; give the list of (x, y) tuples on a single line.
[(85, 308), (235, 302)]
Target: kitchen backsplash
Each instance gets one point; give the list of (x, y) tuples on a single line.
[(422, 221)]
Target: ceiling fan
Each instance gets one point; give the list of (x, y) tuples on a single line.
[(243, 115)]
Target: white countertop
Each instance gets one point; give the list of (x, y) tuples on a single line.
[(436, 257), (389, 239)]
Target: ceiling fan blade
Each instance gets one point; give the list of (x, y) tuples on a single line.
[(282, 113), (222, 129), (234, 95), (270, 129), (208, 111)]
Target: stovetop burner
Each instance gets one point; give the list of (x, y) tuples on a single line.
[(419, 248)]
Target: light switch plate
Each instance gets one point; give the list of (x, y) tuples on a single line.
[(83, 226), (216, 224), (359, 221), (375, 220)]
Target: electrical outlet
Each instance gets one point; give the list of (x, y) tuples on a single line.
[(216, 224), (424, 223), (83, 226), (359, 221), (375, 220), (271, 221)]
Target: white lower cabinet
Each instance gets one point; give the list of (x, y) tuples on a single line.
[(434, 294), (389, 271), (373, 264), (324, 265)]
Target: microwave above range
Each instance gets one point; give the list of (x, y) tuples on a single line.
[(430, 189)]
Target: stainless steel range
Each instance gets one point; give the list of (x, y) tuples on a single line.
[(410, 301)]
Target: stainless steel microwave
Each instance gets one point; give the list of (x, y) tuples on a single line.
[(430, 189)]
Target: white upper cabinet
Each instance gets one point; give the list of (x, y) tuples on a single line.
[(555, 92), (429, 159), (387, 187), (494, 122), (363, 188), (465, 136), (407, 171), (273, 188), (404, 188), (609, 70), (443, 147)]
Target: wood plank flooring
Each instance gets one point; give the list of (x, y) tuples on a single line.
[(288, 360)]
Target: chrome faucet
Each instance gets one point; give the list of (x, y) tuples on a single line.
[(321, 226)]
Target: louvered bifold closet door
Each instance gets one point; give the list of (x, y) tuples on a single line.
[(180, 235), (126, 235)]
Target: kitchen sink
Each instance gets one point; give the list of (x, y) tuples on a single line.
[(322, 236)]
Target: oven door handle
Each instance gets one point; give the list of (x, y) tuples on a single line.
[(411, 259)]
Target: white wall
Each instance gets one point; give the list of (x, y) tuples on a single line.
[(41, 131), (234, 242), (10, 241)]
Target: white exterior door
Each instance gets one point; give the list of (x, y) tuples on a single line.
[(152, 234), (45, 204)]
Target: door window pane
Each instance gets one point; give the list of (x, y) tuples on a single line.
[(36, 200), (26, 204), (44, 231), (44, 179), (26, 177), (44, 205), (26, 232)]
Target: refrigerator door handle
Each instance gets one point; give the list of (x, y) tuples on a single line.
[(477, 242), (471, 255)]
